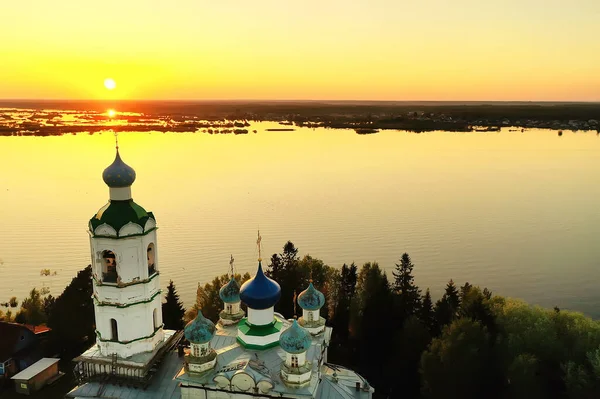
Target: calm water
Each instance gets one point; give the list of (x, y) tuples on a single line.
[(516, 212)]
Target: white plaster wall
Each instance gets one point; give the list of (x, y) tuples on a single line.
[(199, 368), (120, 193), (262, 341), (130, 294), (315, 330), (296, 378), (130, 252), (132, 322), (130, 349), (301, 359), (311, 315), (235, 307), (260, 317)]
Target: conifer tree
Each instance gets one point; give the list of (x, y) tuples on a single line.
[(408, 294), (452, 295), (172, 309), (426, 314)]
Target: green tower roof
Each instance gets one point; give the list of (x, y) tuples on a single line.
[(117, 214)]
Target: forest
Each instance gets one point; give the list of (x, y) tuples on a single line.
[(469, 343)]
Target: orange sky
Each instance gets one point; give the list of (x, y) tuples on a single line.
[(266, 49)]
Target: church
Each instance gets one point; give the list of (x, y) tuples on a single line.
[(258, 354)]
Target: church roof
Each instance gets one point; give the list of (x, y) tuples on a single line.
[(230, 292), (200, 330), (311, 298), (260, 292), (117, 214), (263, 369)]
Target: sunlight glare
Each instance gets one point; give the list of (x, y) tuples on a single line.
[(110, 84), (111, 113)]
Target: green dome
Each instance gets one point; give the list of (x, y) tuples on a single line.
[(295, 339), (200, 330), (311, 298), (230, 292), (117, 214)]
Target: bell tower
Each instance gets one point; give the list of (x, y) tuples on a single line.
[(125, 269)]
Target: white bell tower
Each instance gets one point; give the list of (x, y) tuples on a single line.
[(125, 266)]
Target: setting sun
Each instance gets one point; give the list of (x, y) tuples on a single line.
[(111, 113), (110, 84)]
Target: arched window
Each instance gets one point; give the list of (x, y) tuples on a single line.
[(151, 256), (294, 361), (109, 267), (114, 330), (229, 308), (155, 318)]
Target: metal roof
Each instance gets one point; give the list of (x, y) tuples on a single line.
[(35, 368), (162, 386)]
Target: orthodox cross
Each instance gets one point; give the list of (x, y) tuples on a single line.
[(117, 139), (258, 243), (294, 301), (231, 265)]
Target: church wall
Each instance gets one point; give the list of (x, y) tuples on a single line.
[(131, 255), (260, 317), (127, 295), (133, 322)]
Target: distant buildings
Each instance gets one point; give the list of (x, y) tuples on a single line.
[(20, 346)]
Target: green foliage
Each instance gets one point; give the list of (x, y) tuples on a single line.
[(33, 309), (71, 316), (13, 303), (460, 363), (208, 299), (172, 309)]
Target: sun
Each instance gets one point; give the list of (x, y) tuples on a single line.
[(111, 113), (110, 84)]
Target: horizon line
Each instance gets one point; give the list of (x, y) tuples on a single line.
[(299, 100)]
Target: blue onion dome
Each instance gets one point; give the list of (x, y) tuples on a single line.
[(295, 339), (118, 174), (260, 292), (230, 292), (311, 298), (200, 330)]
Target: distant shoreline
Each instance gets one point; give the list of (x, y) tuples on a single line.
[(46, 118)]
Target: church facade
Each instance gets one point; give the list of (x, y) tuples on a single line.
[(242, 355)]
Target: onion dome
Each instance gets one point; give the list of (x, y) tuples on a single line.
[(230, 292), (260, 292), (117, 214), (118, 174), (200, 330), (295, 339), (311, 298)]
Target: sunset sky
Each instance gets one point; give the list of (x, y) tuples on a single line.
[(326, 49)]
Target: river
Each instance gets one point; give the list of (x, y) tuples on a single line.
[(515, 212)]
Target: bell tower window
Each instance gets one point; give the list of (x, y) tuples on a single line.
[(151, 256), (294, 361), (114, 330), (109, 267)]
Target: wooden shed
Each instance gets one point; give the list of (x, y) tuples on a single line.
[(34, 377)]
